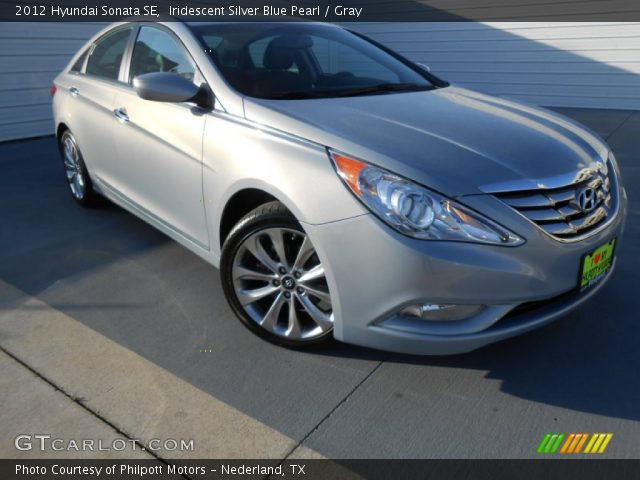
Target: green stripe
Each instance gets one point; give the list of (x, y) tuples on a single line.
[(547, 449), (557, 445), (543, 443)]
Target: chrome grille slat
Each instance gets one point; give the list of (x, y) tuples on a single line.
[(561, 196), (560, 228), (590, 220), (569, 210), (596, 182), (608, 201), (543, 215), (557, 210), (527, 201)]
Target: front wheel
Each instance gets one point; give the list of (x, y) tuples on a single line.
[(274, 280)]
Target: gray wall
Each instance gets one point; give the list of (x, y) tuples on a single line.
[(554, 64), (31, 55)]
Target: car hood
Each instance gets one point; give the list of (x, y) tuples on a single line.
[(453, 140)]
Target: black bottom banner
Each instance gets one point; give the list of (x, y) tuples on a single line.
[(546, 469)]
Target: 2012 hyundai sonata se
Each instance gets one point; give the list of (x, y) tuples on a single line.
[(343, 190)]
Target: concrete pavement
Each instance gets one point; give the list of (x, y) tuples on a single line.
[(112, 312), (32, 406)]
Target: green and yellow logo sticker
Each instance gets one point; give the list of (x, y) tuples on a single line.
[(597, 264), (573, 443)]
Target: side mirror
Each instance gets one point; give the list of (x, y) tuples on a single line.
[(165, 87), (425, 67)]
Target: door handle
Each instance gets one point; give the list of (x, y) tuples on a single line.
[(121, 114), (74, 91)]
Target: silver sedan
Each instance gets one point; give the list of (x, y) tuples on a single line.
[(343, 191)]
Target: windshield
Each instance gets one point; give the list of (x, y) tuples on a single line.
[(298, 61)]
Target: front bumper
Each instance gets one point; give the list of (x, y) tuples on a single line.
[(373, 272)]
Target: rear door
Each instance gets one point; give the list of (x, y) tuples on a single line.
[(93, 84), (159, 145)]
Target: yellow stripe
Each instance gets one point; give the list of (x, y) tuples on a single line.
[(583, 439), (605, 443), (591, 442), (596, 445), (567, 442)]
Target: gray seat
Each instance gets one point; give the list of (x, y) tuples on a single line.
[(277, 76)]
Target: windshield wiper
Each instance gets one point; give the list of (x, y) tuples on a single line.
[(352, 92), (384, 87), (294, 95)]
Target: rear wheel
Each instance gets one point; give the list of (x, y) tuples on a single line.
[(76, 171), (274, 280)]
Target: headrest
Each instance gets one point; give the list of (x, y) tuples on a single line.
[(279, 54)]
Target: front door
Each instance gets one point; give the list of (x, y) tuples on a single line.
[(159, 145)]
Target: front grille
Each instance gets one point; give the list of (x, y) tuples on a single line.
[(558, 210)]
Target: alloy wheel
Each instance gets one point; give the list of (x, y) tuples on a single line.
[(280, 283)]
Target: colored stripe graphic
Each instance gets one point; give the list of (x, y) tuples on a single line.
[(567, 443), (593, 439), (550, 443), (556, 445), (605, 443), (543, 443), (582, 440), (574, 443), (553, 443), (598, 443)]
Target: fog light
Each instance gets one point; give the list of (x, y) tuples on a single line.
[(441, 313)]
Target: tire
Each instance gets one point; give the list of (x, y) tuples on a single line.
[(274, 281), (76, 172)]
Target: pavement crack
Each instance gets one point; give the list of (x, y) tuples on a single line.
[(81, 402), (334, 409), (620, 126)]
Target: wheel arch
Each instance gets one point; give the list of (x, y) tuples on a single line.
[(60, 129), (238, 205)]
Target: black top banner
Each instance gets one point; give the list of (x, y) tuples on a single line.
[(320, 10)]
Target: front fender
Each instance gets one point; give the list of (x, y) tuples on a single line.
[(238, 155)]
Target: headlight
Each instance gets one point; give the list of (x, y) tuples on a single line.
[(416, 211)]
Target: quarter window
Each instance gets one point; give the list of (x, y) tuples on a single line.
[(157, 51), (105, 56), (77, 67)]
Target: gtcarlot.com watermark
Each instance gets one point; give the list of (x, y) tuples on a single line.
[(49, 443)]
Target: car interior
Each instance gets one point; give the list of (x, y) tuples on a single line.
[(286, 64)]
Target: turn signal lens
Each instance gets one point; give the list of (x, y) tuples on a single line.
[(349, 169)]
